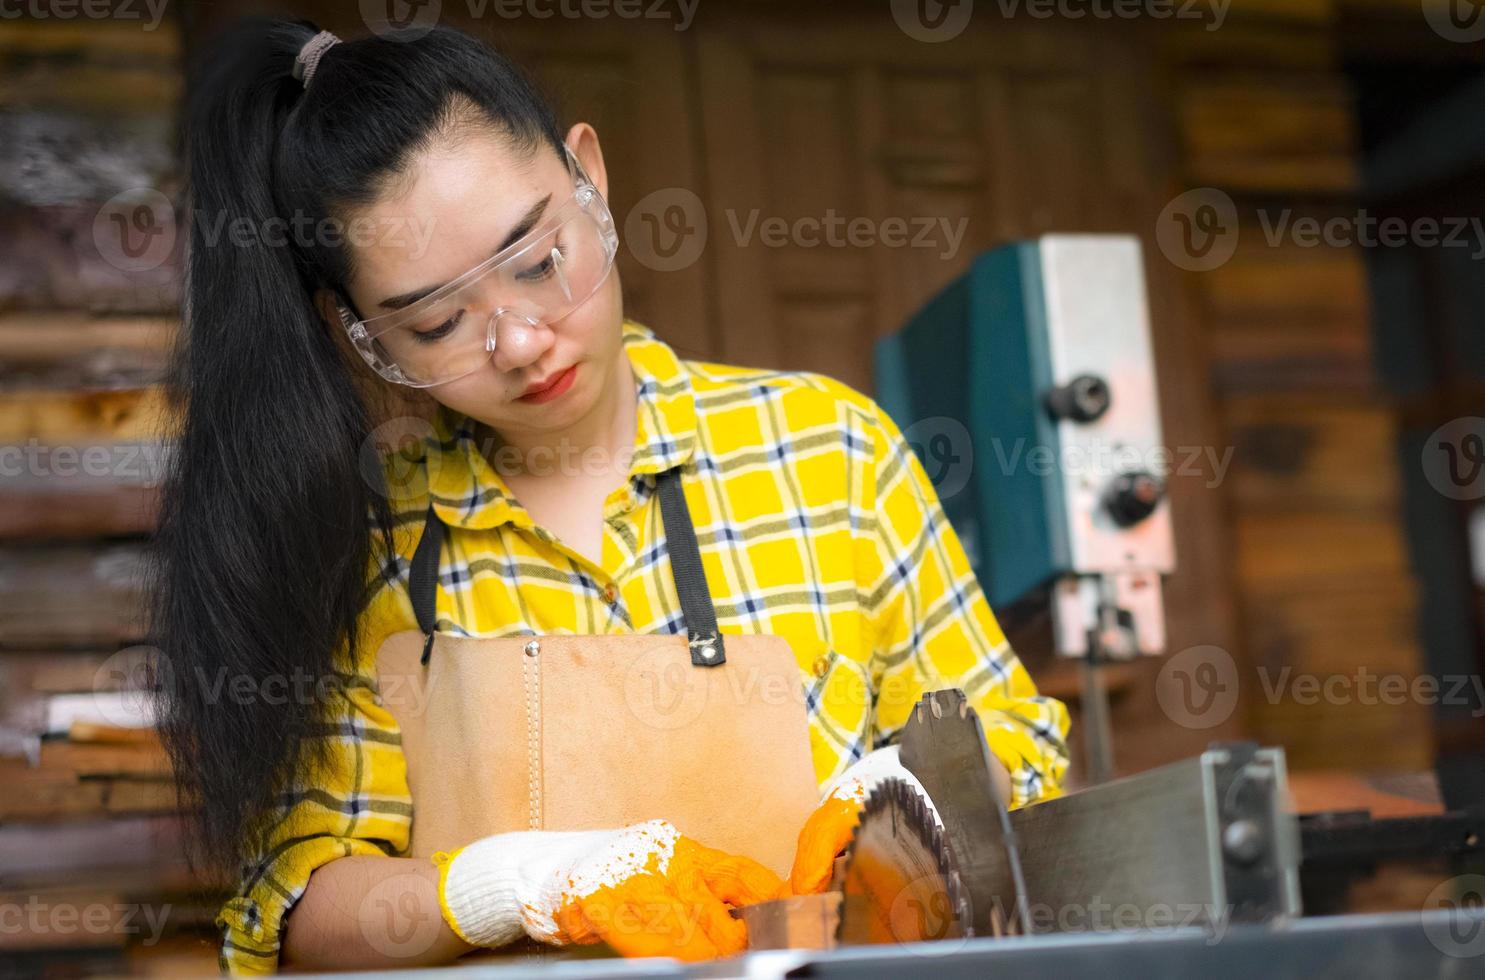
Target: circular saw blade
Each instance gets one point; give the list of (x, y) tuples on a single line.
[(900, 883)]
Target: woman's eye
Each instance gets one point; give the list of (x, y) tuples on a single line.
[(543, 269), (440, 331)]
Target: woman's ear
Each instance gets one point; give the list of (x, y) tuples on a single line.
[(329, 306), (583, 141)]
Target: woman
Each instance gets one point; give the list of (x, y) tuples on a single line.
[(419, 227)]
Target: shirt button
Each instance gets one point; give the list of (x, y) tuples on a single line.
[(610, 593), (822, 664)]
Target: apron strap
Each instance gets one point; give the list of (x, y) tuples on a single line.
[(702, 636), (422, 585)]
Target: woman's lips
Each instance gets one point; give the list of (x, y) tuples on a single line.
[(552, 388)]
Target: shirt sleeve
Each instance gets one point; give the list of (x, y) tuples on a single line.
[(933, 627), (356, 803)]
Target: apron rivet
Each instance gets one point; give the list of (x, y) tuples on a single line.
[(533, 648), (708, 653)]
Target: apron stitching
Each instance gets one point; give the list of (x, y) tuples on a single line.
[(533, 747)]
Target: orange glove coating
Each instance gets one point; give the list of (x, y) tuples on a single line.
[(826, 833), (683, 912)]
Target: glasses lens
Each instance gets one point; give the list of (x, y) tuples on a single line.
[(443, 339)]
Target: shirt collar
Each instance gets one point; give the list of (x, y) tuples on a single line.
[(466, 491)]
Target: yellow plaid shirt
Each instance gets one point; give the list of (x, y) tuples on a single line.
[(815, 522)]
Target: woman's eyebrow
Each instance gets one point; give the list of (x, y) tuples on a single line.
[(527, 222)]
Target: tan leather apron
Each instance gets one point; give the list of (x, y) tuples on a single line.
[(565, 732)]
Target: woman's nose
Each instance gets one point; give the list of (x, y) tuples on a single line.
[(520, 343)]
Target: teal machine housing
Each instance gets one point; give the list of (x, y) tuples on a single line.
[(964, 357), (1027, 389)]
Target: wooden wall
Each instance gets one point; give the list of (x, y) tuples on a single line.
[(1323, 583), (1019, 127)]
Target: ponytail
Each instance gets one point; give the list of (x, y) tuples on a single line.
[(270, 524)]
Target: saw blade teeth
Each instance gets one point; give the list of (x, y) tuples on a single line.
[(904, 801)]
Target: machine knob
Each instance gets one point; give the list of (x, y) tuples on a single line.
[(1084, 399), (1132, 497)]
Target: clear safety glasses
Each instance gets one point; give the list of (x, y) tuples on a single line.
[(539, 279)]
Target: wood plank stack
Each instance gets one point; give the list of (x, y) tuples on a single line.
[(90, 829), (1324, 585)]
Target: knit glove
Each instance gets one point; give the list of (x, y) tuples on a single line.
[(646, 890), (830, 828)]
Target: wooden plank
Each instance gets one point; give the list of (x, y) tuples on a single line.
[(46, 794), (134, 796), (1308, 455), (1270, 133), (66, 417), (138, 761), (70, 350), (141, 854), (68, 920), (1348, 639), (1318, 550), (71, 596)]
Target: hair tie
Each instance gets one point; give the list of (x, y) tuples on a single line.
[(309, 56)]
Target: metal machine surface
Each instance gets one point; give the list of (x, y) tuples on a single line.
[(1204, 842), (1028, 389)]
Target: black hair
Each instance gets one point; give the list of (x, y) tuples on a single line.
[(271, 529)]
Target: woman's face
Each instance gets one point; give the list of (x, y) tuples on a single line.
[(460, 202)]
